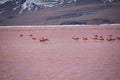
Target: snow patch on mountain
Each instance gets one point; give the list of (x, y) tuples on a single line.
[(4, 1), (29, 4), (105, 1)]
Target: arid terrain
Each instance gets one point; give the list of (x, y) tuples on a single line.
[(88, 52)]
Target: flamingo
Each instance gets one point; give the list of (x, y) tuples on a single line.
[(85, 38), (75, 38), (33, 38), (118, 38), (21, 35), (95, 37), (110, 39), (43, 39), (101, 38), (30, 35)]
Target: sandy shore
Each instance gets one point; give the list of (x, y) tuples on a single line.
[(60, 53)]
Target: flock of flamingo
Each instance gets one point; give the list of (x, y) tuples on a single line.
[(100, 38), (42, 39), (109, 38)]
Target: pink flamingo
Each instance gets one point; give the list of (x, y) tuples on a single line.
[(30, 35), (75, 38), (21, 35), (85, 38), (110, 38), (33, 38), (43, 39), (118, 38), (95, 37), (101, 38)]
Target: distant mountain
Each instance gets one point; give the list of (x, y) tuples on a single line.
[(59, 12), (28, 5)]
